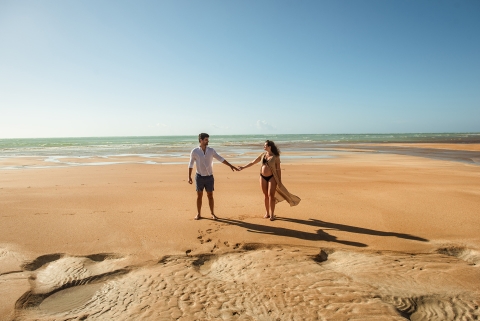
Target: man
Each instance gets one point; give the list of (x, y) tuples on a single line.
[(203, 157)]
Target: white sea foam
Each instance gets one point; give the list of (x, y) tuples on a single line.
[(55, 150)]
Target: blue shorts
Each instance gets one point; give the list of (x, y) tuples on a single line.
[(204, 182)]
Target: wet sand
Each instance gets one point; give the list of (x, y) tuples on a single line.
[(463, 146), (377, 236), (464, 153)]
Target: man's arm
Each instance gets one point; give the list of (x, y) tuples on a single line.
[(190, 175), (233, 168), (190, 167), (224, 161)]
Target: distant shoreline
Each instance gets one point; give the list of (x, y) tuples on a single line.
[(325, 136)]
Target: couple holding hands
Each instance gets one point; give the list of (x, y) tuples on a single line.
[(270, 176)]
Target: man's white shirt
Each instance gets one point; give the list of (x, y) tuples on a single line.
[(204, 161)]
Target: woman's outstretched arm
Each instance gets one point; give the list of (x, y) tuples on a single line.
[(256, 160)]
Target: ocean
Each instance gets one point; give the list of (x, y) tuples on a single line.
[(174, 147)]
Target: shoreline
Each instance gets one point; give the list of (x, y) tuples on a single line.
[(465, 153)]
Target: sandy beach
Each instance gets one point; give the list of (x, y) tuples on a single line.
[(377, 236), (373, 105)]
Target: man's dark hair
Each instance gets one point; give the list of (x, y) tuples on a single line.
[(202, 136)]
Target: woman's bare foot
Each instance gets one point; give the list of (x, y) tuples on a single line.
[(197, 217), (272, 217), (266, 216), (214, 217)]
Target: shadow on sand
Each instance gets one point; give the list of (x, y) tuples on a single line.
[(280, 231), (320, 235), (352, 229)]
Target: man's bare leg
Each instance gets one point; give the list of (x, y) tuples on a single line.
[(211, 204), (199, 205)]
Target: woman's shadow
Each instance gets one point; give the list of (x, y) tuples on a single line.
[(352, 229), (280, 231), (320, 235)]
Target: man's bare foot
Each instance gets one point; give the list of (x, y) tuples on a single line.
[(266, 216), (272, 218), (197, 217), (214, 217)]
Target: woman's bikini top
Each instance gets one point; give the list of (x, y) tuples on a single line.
[(265, 160)]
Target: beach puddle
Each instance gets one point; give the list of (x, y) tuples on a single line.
[(257, 282), (69, 299)]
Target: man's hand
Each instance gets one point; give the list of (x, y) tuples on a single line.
[(233, 168), (189, 180)]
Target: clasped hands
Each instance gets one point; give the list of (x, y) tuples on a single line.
[(238, 169)]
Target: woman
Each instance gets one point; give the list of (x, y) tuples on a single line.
[(271, 179)]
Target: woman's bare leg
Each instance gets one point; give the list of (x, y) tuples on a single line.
[(272, 186), (264, 187)]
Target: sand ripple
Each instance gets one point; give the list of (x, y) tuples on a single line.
[(263, 283)]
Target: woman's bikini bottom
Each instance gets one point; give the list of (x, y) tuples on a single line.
[(267, 178)]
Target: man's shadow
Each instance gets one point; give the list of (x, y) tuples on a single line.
[(280, 231), (351, 229), (320, 235)]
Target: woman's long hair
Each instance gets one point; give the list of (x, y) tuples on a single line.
[(275, 149)]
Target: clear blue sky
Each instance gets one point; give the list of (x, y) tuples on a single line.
[(121, 68)]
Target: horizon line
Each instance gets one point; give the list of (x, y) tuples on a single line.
[(271, 134)]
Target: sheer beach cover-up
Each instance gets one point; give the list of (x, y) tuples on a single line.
[(281, 192)]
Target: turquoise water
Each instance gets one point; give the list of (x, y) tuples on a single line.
[(179, 145)]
